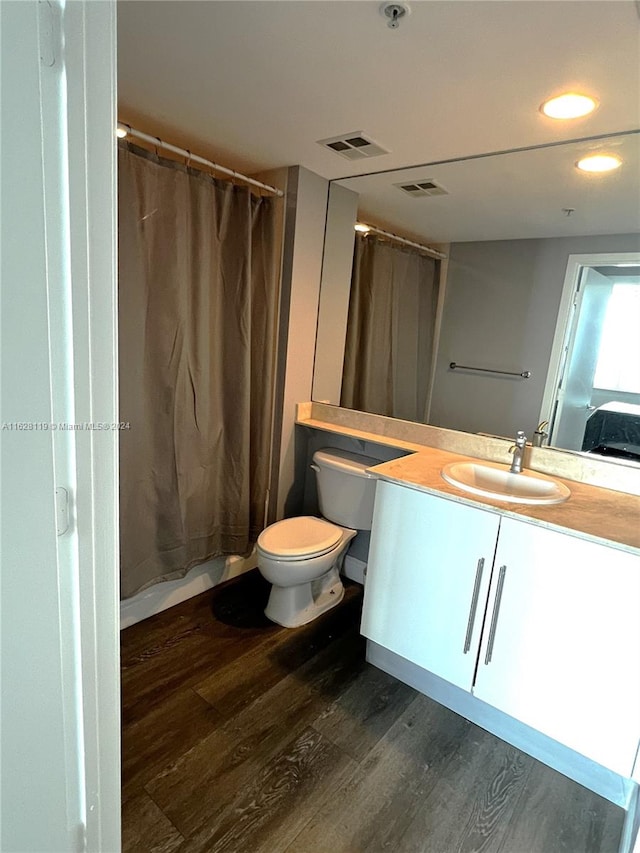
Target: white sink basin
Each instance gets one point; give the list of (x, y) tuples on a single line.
[(496, 481)]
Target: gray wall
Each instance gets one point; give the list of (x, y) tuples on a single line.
[(500, 312), (306, 207)]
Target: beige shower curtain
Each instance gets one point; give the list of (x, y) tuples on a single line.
[(197, 318), (390, 330)]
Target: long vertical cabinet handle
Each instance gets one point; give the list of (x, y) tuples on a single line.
[(494, 617), (474, 605)]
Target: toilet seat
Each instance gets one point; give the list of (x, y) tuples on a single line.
[(299, 538)]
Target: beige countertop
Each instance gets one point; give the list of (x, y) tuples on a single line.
[(410, 437), (591, 512)]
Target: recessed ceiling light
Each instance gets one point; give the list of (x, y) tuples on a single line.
[(569, 105), (599, 163)]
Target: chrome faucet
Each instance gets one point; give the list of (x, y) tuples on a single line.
[(518, 452), (539, 436)]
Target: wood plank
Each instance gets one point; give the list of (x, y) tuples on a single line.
[(212, 632), (169, 730), (151, 738), (372, 809), (270, 812), (154, 652), (197, 787), (555, 815), (145, 828), (264, 755), (235, 685), (471, 806), (365, 711), (237, 602)]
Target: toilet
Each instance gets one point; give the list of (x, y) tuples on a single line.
[(302, 557)]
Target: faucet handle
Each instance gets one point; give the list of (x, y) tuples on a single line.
[(521, 441)]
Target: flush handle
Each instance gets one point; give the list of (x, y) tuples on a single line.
[(314, 467), (474, 605)]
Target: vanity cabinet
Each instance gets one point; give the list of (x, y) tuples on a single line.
[(545, 630), (564, 653), (428, 580)]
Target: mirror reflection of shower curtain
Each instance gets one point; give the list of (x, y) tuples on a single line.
[(197, 318), (390, 330)]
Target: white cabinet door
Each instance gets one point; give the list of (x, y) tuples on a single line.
[(561, 645), (427, 580)]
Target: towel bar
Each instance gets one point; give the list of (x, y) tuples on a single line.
[(524, 374)]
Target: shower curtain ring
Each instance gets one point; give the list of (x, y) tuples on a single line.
[(188, 162), (160, 144)]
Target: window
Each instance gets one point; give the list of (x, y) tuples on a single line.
[(618, 367)]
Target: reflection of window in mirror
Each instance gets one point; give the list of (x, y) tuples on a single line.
[(618, 367)]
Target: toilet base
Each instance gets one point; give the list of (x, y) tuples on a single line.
[(292, 606)]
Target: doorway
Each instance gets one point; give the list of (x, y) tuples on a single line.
[(593, 387)]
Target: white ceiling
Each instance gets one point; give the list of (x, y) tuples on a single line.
[(254, 85), (524, 194)]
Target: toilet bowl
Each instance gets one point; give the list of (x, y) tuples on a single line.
[(302, 557)]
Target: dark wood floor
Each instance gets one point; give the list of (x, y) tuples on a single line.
[(241, 736)]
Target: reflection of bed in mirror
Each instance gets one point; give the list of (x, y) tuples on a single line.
[(614, 430)]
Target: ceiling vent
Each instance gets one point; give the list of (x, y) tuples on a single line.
[(427, 186), (353, 146)]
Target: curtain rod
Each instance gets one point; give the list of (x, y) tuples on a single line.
[(194, 158), (367, 229)]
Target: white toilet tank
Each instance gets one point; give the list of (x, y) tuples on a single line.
[(345, 490)]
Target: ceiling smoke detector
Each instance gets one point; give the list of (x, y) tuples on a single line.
[(394, 12)]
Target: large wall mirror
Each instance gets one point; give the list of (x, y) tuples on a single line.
[(536, 300)]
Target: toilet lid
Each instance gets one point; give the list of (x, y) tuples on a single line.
[(299, 537)]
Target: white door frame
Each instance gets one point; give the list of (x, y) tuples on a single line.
[(90, 61), (566, 319), (60, 621)]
